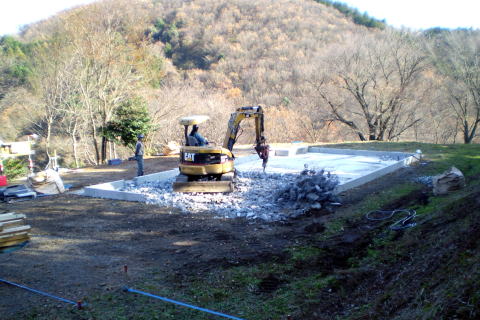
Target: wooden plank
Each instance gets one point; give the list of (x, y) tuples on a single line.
[(11, 242), (203, 186), (15, 230), (11, 216), (1, 214), (14, 236), (11, 224)]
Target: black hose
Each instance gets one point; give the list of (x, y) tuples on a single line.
[(404, 223)]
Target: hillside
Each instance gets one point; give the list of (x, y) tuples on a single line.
[(188, 57), (323, 71)]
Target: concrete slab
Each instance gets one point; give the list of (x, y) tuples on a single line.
[(289, 151), (368, 153), (110, 190), (353, 167), (156, 176)]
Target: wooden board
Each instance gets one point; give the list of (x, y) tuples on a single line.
[(11, 224), (13, 242), (203, 186), (14, 230), (14, 236), (11, 216)]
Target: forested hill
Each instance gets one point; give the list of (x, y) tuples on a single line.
[(323, 71)]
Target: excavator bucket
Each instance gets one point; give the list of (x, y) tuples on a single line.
[(203, 186)]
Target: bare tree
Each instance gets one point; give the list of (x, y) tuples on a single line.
[(106, 71), (457, 56), (370, 85), (73, 115), (52, 82), (171, 102)]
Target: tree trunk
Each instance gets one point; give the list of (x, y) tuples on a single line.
[(361, 136), (468, 135), (94, 139), (73, 136), (47, 138), (110, 153), (104, 149), (75, 153)]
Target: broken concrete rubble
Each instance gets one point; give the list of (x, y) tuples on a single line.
[(310, 190), (253, 197)]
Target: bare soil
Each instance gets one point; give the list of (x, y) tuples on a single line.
[(81, 246)]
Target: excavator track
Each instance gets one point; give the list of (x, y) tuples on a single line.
[(203, 186), (224, 185)]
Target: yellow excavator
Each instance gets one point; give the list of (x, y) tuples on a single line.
[(206, 168)]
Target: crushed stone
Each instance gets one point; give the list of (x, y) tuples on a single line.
[(257, 195), (426, 180)]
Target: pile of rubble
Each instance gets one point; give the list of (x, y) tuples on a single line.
[(254, 196), (310, 190)]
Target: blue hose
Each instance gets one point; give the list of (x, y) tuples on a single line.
[(39, 292), (181, 303)]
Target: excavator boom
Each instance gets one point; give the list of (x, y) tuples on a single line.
[(234, 124)]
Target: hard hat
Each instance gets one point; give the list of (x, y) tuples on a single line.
[(140, 136)]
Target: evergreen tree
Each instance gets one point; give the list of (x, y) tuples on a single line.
[(131, 119)]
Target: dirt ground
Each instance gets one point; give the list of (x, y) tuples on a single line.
[(80, 246)]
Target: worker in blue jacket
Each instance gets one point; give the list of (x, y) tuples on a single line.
[(201, 141)]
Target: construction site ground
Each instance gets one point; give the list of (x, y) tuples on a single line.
[(81, 247)]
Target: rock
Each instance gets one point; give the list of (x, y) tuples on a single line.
[(297, 213), (450, 180), (316, 205), (269, 197), (312, 197)]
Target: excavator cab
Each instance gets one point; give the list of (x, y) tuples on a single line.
[(211, 168), (192, 121)]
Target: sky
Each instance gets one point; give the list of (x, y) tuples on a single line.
[(422, 14), (413, 14), (16, 13)]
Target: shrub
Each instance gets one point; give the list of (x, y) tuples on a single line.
[(15, 167)]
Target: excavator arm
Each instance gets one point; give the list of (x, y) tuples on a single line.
[(236, 118)]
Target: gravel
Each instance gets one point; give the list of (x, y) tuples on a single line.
[(257, 195), (426, 180)]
